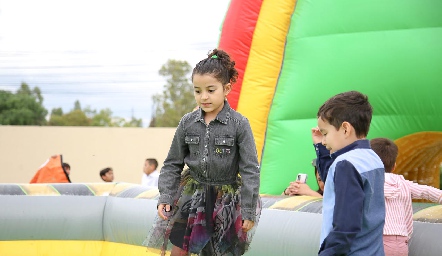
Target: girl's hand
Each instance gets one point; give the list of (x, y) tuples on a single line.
[(163, 208), (247, 225), (316, 135), (292, 189), (302, 189)]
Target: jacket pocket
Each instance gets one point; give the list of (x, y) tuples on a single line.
[(224, 141), (192, 139), (193, 143), (224, 147)]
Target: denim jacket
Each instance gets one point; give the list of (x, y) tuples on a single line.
[(215, 154)]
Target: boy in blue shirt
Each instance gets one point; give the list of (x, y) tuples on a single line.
[(353, 205)]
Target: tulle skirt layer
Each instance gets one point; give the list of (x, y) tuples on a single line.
[(191, 228)]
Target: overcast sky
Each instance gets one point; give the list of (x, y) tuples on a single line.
[(104, 53)]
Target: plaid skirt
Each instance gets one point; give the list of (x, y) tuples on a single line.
[(191, 228)]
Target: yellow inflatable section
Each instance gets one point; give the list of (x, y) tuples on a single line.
[(264, 65)]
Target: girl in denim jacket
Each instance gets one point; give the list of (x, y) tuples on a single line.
[(211, 207)]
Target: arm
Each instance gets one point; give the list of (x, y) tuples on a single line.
[(249, 171), (324, 159), (424, 192), (348, 210), (298, 188), (170, 174)]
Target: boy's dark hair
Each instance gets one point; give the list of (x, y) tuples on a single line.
[(219, 64), (66, 165), (352, 107), (104, 171), (153, 161), (387, 151)]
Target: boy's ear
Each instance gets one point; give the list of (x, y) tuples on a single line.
[(346, 126)]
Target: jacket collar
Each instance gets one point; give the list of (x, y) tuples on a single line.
[(222, 116)]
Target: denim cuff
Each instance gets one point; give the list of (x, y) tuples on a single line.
[(165, 199), (248, 214)]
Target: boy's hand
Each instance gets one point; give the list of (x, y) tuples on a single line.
[(163, 208), (316, 135), (247, 225)]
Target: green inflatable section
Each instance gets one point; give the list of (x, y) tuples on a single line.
[(389, 50)]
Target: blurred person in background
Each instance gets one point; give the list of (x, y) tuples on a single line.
[(66, 168), (52, 171), (107, 174), (151, 174)]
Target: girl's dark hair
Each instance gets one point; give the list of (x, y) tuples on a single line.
[(319, 188), (219, 64)]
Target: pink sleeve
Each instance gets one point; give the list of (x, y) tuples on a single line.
[(424, 192)]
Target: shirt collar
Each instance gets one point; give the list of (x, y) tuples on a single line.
[(355, 145), (222, 116)]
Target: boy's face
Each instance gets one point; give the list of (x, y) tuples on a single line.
[(108, 177), (148, 168), (332, 139)]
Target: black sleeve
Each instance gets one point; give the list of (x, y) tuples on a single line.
[(323, 161)]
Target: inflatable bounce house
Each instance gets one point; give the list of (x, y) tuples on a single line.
[(292, 56), (113, 219)]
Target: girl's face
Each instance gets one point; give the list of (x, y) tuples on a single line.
[(210, 93), (320, 182)]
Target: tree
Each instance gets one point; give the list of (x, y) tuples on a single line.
[(77, 118), (73, 118), (90, 117), (102, 118), (57, 111), (24, 89), (25, 107), (177, 98), (77, 105), (134, 122), (105, 118)]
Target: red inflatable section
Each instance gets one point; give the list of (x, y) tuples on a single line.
[(236, 38)]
